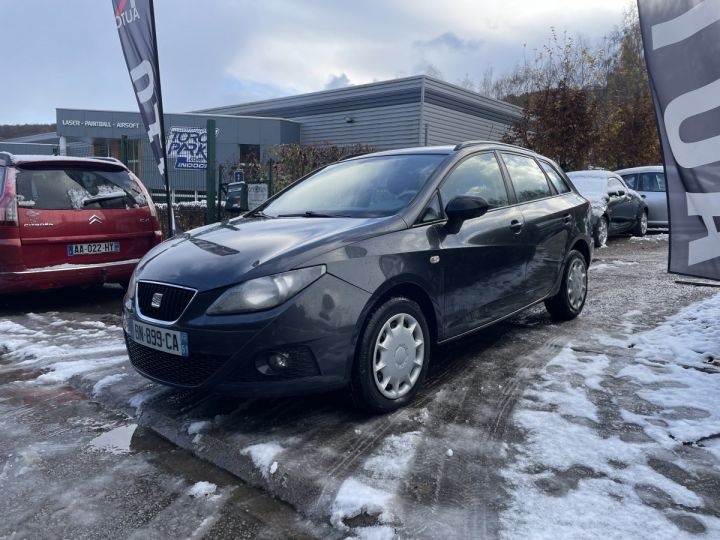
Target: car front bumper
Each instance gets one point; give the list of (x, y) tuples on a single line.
[(317, 329)]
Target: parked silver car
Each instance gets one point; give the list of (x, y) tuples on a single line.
[(649, 182)]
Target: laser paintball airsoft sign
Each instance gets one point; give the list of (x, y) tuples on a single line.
[(188, 145), (681, 39), (135, 28)]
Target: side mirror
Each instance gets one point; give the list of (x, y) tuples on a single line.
[(621, 192), (613, 193), (463, 208)]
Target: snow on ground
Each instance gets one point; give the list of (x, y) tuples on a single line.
[(604, 453), (373, 490), (662, 237), (263, 456), (58, 348)]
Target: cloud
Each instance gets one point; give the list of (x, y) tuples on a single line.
[(220, 53), (338, 81), (449, 40)]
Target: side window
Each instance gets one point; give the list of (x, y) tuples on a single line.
[(527, 177), (632, 181), (432, 211), (2, 179), (477, 176), (653, 182), (555, 178)]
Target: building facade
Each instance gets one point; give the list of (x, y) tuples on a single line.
[(413, 111)]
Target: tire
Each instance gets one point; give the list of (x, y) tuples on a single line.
[(600, 232), (641, 225), (367, 380), (570, 299)]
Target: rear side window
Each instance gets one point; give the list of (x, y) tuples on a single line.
[(555, 178), (477, 176), (527, 177), (2, 179), (77, 188), (652, 182)]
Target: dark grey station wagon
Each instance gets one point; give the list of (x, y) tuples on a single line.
[(351, 274)]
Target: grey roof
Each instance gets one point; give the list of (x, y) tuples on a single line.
[(383, 93), (50, 137)]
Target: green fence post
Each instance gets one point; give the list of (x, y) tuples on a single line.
[(210, 179)]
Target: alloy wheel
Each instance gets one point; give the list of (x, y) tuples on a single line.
[(398, 355)]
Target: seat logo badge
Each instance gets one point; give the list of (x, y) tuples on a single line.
[(95, 219), (434, 259), (156, 300)]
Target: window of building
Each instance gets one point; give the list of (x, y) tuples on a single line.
[(477, 176), (527, 177)]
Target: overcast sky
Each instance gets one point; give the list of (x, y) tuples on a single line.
[(222, 52)]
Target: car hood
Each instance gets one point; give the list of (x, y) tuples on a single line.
[(227, 253)]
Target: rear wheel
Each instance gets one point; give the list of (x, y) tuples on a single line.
[(570, 299), (641, 226), (393, 356), (600, 234)]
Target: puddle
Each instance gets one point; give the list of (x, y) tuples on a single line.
[(115, 441)]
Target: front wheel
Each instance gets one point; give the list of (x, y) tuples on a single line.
[(570, 299), (392, 357), (641, 226)]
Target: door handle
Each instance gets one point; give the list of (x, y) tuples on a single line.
[(643, 196), (567, 218), (516, 226)]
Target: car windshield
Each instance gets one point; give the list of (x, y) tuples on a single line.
[(77, 187), (367, 187), (593, 188)]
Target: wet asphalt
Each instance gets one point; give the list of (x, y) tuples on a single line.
[(58, 483)]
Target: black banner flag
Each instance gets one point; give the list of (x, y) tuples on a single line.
[(135, 21), (682, 50)]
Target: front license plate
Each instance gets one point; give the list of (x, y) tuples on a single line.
[(93, 249), (161, 339)]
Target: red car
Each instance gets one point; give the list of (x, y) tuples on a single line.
[(68, 221)]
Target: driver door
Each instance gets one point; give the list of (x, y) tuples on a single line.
[(483, 263)]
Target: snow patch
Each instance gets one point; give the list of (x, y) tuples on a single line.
[(263, 455), (115, 441), (202, 489), (107, 381), (355, 498)]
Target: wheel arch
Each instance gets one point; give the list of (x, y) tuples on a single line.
[(407, 288)]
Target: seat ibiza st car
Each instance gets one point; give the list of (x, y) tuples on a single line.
[(67, 221), (351, 274)]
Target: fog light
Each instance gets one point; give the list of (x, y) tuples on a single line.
[(279, 361)]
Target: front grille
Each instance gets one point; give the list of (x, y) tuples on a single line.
[(190, 370), (173, 302)]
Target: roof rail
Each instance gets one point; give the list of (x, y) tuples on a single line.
[(7, 156), (468, 144), (110, 159)]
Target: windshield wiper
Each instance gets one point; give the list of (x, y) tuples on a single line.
[(258, 213), (311, 214), (108, 197)]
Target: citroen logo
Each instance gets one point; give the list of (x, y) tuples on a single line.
[(156, 300), (95, 219)]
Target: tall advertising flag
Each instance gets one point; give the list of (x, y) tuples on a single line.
[(135, 20), (682, 51)]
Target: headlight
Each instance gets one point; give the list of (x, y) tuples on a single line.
[(130, 293), (265, 292)]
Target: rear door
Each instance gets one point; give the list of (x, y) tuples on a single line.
[(655, 195), (81, 213), (548, 217)]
